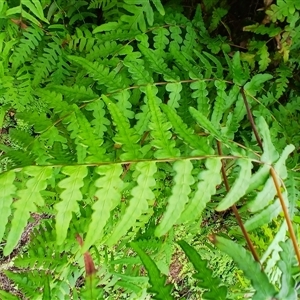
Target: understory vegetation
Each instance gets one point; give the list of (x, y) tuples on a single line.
[(149, 149)]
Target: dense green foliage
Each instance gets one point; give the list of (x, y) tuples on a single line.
[(111, 112)]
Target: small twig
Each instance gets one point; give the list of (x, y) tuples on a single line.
[(234, 209), (286, 214)]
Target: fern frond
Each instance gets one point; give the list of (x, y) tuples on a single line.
[(137, 9), (32, 38), (244, 260), (46, 63), (271, 30), (8, 191), (160, 127), (100, 122), (190, 41), (71, 194), (287, 288), (157, 63), (127, 136), (174, 96), (208, 181), (138, 204), (180, 196), (74, 93), (82, 40), (137, 69), (204, 274), (200, 94), (108, 194), (268, 192), (239, 187), (219, 103), (99, 73), (161, 40), (28, 199), (87, 138), (284, 73), (206, 124), (199, 144), (158, 282), (216, 17)]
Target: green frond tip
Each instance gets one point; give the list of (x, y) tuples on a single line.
[(8, 190), (206, 124), (126, 136), (251, 268), (27, 201), (71, 186), (206, 187), (138, 204), (204, 274), (287, 290), (180, 196), (108, 194), (239, 187), (199, 145), (160, 127), (158, 282)]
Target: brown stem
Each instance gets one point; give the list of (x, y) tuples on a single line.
[(250, 117), (286, 214), (235, 211)]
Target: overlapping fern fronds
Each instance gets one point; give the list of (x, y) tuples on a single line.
[(123, 124)]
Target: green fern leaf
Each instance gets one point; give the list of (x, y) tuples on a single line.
[(127, 137), (219, 68), (266, 215), (160, 40), (200, 94), (157, 63), (88, 139), (206, 124), (33, 36), (71, 194), (174, 96), (199, 144), (206, 187), (100, 122), (268, 192), (91, 291), (160, 127), (271, 30), (137, 69), (284, 72), (287, 288), (219, 103), (7, 193), (157, 281), (216, 18), (204, 274), (74, 93), (244, 260), (138, 204), (27, 200), (108, 194), (269, 156), (239, 75), (99, 73), (180, 192), (239, 187)]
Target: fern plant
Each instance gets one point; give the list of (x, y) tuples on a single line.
[(134, 124)]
